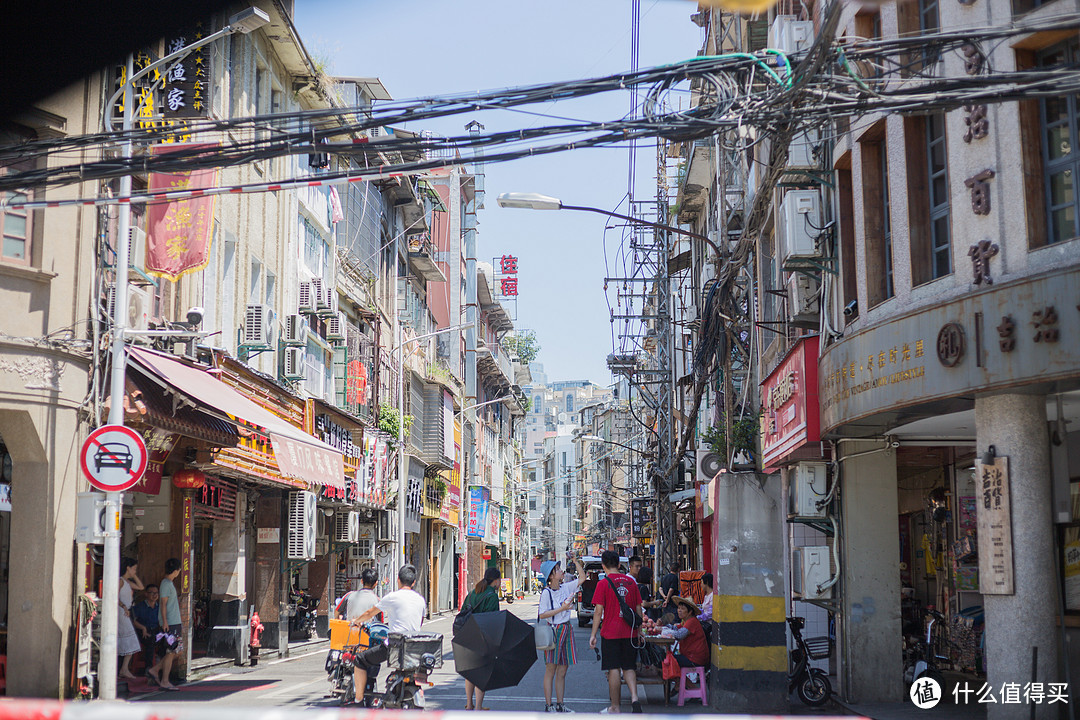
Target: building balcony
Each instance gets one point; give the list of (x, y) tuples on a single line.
[(422, 258)]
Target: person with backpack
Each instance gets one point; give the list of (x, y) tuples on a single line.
[(556, 601), (481, 599), (618, 604)]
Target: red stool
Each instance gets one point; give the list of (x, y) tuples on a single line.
[(700, 692)]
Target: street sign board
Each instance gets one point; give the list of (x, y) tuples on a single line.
[(113, 458)]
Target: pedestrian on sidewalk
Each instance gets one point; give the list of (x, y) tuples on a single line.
[(556, 600), (618, 655), (146, 617), (669, 588), (171, 629), (127, 641), (482, 598)]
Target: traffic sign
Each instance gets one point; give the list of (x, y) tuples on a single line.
[(113, 458)]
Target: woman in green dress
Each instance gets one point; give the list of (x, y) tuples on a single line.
[(483, 598)]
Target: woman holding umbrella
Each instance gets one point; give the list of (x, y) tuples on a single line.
[(556, 600), (483, 598)]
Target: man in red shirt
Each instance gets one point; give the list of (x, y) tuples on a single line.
[(617, 651)]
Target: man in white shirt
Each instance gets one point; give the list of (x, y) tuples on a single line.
[(404, 610)]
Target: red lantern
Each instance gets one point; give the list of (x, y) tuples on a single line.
[(189, 479)]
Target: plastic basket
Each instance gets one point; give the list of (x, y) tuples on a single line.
[(407, 650), (819, 648)]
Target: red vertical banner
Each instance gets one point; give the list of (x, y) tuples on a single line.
[(185, 567), (178, 231)]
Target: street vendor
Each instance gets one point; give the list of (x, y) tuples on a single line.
[(693, 647)]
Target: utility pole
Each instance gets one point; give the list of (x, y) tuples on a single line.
[(664, 470)]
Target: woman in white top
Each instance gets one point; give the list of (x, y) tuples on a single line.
[(127, 642), (556, 600)]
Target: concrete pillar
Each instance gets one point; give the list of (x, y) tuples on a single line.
[(1016, 624), (871, 661), (750, 673)]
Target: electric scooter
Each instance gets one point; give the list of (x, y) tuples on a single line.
[(810, 683)]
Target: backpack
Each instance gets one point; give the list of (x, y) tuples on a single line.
[(462, 617), (627, 613)]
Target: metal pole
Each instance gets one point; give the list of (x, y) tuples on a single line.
[(110, 584), (402, 484)]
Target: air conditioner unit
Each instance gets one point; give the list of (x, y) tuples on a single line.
[(346, 526), (90, 518), (365, 539), (293, 363), (809, 486), (709, 464), (319, 296), (331, 298), (136, 250), (801, 151), (138, 308), (810, 569), (307, 299), (791, 36), (804, 301), (302, 525), (258, 326), (296, 329), (335, 327), (799, 225)]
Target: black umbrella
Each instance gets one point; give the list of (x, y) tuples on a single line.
[(494, 650)]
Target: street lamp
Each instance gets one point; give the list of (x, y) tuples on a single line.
[(243, 22), (536, 201), (399, 351)]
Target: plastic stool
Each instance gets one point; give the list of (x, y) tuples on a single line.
[(700, 692)]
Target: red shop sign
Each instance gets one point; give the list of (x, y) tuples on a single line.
[(790, 412)]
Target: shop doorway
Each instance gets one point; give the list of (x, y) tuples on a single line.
[(201, 587)]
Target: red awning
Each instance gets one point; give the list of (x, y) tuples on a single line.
[(298, 454)]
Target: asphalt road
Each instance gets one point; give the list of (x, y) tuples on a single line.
[(301, 682)]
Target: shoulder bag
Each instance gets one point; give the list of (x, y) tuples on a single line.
[(544, 633)]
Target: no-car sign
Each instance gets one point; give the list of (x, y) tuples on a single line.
[(113, 458)]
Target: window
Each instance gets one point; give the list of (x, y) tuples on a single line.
[(845, 195), (16, 226), (877, 223), (928, 198), (569, 403), (255, 286), (938, 187), (1058, 130)]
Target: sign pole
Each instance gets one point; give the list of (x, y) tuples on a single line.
[(110, 586)]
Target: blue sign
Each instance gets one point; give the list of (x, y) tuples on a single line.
[(478, 507)]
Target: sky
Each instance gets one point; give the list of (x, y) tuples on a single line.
[(435, 47)]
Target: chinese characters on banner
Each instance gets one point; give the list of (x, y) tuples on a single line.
[(995, 527), (185, 548), (508, 281), (178, 231), (187, 82), (478, 511)]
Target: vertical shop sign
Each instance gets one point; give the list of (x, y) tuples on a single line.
[(187, 82), (185, 568), (995, 527)]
